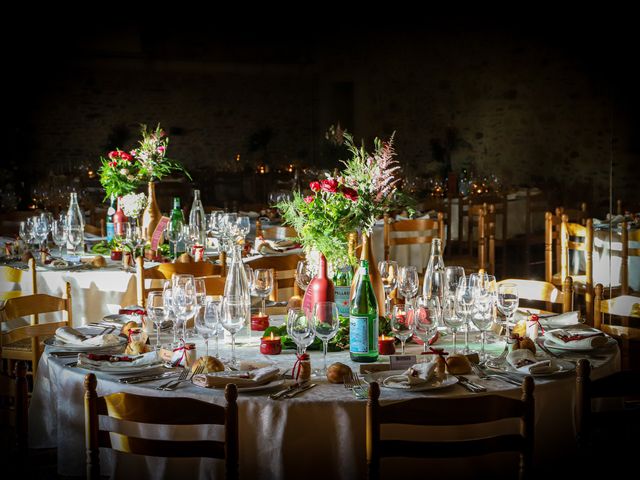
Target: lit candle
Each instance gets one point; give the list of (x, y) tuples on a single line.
[(270, 345), (386, 345), (259, 322)]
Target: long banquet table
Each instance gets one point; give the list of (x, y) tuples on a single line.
[(319, 434)]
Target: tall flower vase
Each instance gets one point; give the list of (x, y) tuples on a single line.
[(374, 274), (320, 289), (151, 215)]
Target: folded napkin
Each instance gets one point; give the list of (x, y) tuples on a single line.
[(418, 374), (123, 362), (560, 321), (266, 247), (577, 337), (524, 361), (253, 378), (72, 336)]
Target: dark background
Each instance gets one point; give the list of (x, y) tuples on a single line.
[(542, 99)]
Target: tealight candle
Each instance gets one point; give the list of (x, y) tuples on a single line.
[(386, 345), (259, 322), (270, 345)]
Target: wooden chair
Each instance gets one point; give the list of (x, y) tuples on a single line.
[(583, 283), (536, 207), (96, 230), (547, 293), (612, 431), (422, 231), (11, 278), (149, 279), (450, 412), (23, 343), (14, 406), (275, 232), (633, 236), (576, 215), (159, 411), (284, 275), (484, 255), (552, 247), (621, 307)]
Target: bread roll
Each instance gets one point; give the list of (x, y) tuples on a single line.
[(130, 325), (524, 343), (338, 372), (184, 258), (211, 364), (98, 261), (135, 348), (458, 365), (441, 367)]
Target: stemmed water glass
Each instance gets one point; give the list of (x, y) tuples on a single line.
[(183, 301), (464, 303), (74, 235), (402, 323), (41, 227), (157, 312), (451, 317), (175, 234), (235, 310), (212, 321), (389, 274), (484, 300), (303, 275), (325, 325), (452, 277), (59, 233), (408, 282), (243, 225), (25, 232), (300, 328), (508, 300), (426, 318), (263, 284)]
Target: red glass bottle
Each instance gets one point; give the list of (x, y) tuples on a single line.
[(320, 289), (119, 219)]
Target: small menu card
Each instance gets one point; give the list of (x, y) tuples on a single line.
[(402, 362), (157, 233)]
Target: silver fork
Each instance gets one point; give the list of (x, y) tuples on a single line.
[(353, 383), (183, 376), (199, 369)]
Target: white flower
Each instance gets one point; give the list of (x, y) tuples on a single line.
[(133, 204), (124, 171), (130, 178)]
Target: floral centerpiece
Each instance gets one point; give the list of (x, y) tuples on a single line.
[(133, 204), (124, 172)]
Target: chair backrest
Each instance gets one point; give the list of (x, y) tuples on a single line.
[(575, 215), (628, 236), (11, 280), (412, 232), (96, 229), (274, 232), (620, 384), (149, 279), (552, 248), (159, 411), (539, 291), (284, 271), (450, 412), (570, 233), (14, 405), (34, 305)]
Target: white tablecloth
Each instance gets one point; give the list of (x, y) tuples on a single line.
[(319, 434), (607, 261)]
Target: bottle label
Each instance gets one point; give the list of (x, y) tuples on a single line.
[(342, 295), (359, 334), (110, 231)]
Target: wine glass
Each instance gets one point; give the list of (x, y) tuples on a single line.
[(408, 282), (426, 318), (175, 235), (300, 329), (25, 232), (41, 228), (303, 275), (212, 320), (263, 284), (249, 273), (184, 305), (244, 226), (389, 273), (59, 233), (157, 312), (402, 323), (235, 310), (464, 303), (451, 317), (325, 325), (482, 314), (508, 300), (205, 329), (74, 236), (452, 276)]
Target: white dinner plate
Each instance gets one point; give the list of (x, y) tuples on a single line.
[(433, 384), (121, 318), (564, 366), (266, 386), (112, 370), (569, 348), (89, 331)]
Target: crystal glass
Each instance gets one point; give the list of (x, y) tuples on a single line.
[(74, 236), (452, 276), (184, 305), (389, 274), (244, 226), (451, 317), (59, 233), (212, 320), (235, 311), (263, 284), (464, 303), (408, 282), (300, 329), (426, 318), (483, 306), (303, 274), (325, 325), (41, 227), (156, 312), (402, 323), (175, 235), (25, 232)]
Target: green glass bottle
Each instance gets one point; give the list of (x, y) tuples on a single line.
[(363, 319), (177, 217), (342, 282)]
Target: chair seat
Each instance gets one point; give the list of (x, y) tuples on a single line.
[(22, 345)]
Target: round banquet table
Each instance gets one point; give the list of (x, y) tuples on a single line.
[(318, 434)]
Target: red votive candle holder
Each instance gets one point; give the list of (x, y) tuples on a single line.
[(386, 345), (270, 345), (116, 254), (259, 322)]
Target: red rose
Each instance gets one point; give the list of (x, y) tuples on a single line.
[(114, 155), (113, 164), (309, 199), (315, 186), (351, 194), (329, 185), (126, 156)]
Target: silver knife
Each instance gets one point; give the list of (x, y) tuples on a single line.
[(300, 390), (148, 378), (289, 389)]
